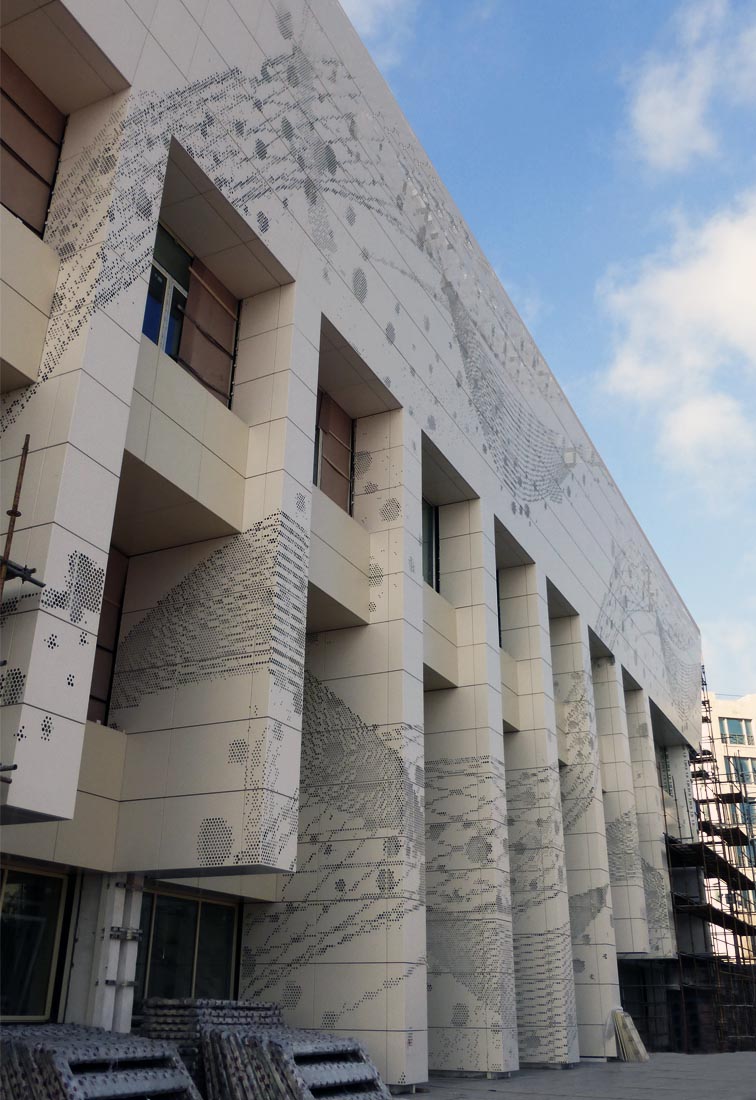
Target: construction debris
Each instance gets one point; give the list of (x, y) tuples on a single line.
[(234, 1050), (285, 1064), (630, 1046)]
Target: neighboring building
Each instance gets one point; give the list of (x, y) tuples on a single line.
[(731, 816), (705, 999), (351, 668)]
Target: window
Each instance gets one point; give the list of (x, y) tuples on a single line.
[(736, 731), (191, 315), (32, 912), (32, 132), (107, 636), (431, 545), (187, 948), (334, 447), (747, 812), (740, 769)]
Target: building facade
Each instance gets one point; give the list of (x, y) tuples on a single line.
[(733, 745), (352, 673)]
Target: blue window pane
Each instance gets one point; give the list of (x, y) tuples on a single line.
[(749, 730), (735, 731), (748, 812), (153, 312), (175, 323)]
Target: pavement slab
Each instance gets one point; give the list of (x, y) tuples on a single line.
[(664, 1077)]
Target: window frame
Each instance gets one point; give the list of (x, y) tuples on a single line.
[(171, 284), (319, 457), (195, 277), (746, 731), (12, 865)]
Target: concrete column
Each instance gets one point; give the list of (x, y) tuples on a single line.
[(681, 820), (76, 415), (209, 669), (594, 955), (344, 947), (650, 816), (471, 997), (103, 967), (625, 871), (546, 1012)]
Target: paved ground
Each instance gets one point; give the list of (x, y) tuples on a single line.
[(665, 1077)]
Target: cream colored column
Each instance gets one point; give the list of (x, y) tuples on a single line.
[(546, 1012), (471, 996), (651, 827), (76, 415), (625, 870), (210, 665), (344, 947), (594, 955)]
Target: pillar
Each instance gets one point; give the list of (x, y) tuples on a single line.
[(76, 415), (209, 668), (623, 845), (651, 828), (546, 1012), (471, 997), (103, 966), (344, 946), (594, 955)]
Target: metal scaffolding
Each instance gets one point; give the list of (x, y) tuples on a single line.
[(704, 1000)]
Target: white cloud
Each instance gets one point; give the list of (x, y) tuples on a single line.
[(711, 59), (710, 439), (668, 109), (685, 347), (385, 25)]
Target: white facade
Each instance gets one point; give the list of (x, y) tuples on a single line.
[(439, 800)]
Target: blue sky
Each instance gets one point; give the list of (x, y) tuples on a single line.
[(604, 154)]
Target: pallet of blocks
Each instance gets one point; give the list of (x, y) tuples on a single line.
[(183, 1021), (282, 1063), (71, 1062)]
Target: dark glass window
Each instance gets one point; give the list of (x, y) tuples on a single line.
[(186, 948), (430, 545), (175, 323), (153, 314), (107, 636), (174, 932), (29, 934), (215, 951)]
